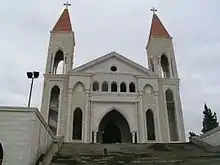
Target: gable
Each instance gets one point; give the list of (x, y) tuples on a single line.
[(105, 63)]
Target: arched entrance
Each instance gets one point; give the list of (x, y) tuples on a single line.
[(111, 129), (114, 128)]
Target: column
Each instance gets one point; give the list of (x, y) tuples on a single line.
[(70, 114), (133, 137), (138, 127), (179, 116), (170, 69), (95, 137), (89, 129), (44, 99), (158, 66), (64, 116), (157, 118), (85, 139), (60, 107), (164, 121), (142, 134), (91, 125)]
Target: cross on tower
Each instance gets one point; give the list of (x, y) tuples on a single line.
[(67, 4), (154, 10)]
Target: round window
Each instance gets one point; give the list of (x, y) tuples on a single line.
[(113, 69)]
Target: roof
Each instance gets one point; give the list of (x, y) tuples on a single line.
[(108, 56), (63, 24), (157, 28)]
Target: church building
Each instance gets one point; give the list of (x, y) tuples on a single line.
[(112, 99)]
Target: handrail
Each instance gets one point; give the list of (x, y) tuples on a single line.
[(53, 149), (210, 132), (208, 147)]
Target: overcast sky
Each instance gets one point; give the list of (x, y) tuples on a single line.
[(102, 26)]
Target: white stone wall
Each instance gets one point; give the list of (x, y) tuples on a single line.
[(77, 91), (156, 48), (100, 103), (23, 134), (122, 67), (65, 42)]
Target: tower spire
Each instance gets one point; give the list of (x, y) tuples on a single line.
[(63, 24), (157, 28)]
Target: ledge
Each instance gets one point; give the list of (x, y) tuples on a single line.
[(217, 129), (27, 109)]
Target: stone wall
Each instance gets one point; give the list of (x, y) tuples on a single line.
[(24, 135)]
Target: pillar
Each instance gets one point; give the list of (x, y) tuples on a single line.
[(60, 107), (70, 115), (95, 137), (179, 116), (133, 137), (157, 118), (141, 115), (85, 138)]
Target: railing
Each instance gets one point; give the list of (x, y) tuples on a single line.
[(199, 142), (53, 149)]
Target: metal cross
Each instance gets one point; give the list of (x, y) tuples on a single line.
[(67, 4), (154, 10)]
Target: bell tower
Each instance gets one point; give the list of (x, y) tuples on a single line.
[(59, 63), (161, 58), (61, 46)]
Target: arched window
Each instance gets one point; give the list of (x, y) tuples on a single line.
[(148, 89), (53, 109), (95, 86), (123, 87), (114, 87), (79, 87), (165, 67), (132, 87), (58, 67), (150, 125), (77, 124), (1, 154), (104, 86), (151, 65), (171, 115)]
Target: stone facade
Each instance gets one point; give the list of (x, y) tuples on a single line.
[(145, 101), (76, 87)]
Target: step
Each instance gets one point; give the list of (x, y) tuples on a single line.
[(131, 154)]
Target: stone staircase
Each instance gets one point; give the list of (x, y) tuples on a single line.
[(134, 154)]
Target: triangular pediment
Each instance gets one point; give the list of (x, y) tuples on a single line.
[(103, 64)]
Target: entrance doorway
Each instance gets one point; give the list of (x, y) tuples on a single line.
[(111, 133), (114, 128)]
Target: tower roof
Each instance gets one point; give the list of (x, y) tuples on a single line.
[(157, 28), (63, 24)]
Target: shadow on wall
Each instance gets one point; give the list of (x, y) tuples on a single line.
[(1, 154)]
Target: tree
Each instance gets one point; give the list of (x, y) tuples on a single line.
[(210, 120), (191, 134)]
